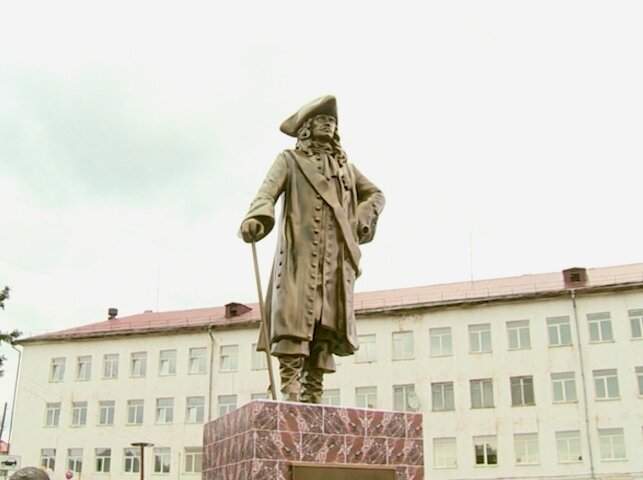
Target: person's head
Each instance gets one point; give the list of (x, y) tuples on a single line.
[(323, 127), (30, 473)]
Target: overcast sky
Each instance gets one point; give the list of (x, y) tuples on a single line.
[(506, 136)]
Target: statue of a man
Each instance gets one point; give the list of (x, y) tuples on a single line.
[(329, 208)]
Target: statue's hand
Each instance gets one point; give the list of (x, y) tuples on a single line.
[(252, 230)]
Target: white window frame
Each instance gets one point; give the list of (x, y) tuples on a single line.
[(481, 391), (480, 338), (563, 385), (521, 388), (442, 397), (135, 410), (600, 327), (559, 331), (526, 448), (401, 396), (612, 444), (488, 446), (57, 370), (167, 363), (403, 345), (48, 458), (78, 414), (639, 379), (194, 409), (83, 367), (193, 460), (106, 411), (110, 366), (162, 460), (226, 404), (103, 460), (52, 414), (518, 335), (75, 459), (440, 342), (198, 361), (636, 322), (568, 447), (138, 364), (164, 410), (331, 397), (131, 460), (367, 352), (606, 384), (229, 358), (366, 397), (259, 360), (445, 453)]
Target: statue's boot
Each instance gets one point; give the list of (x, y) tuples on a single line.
[(290, 369), (312, 380)]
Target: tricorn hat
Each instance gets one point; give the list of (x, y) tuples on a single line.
[(322, 105)]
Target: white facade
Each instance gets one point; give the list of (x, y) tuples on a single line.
[(546, 386)]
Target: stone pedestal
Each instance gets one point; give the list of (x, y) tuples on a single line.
[(264, 439)]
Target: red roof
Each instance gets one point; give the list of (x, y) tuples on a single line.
[(202, 318)]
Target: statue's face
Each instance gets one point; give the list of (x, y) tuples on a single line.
[(323, 128)]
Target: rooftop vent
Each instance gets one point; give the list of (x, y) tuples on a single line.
[(575, 277), (112, 313), (235, 309)]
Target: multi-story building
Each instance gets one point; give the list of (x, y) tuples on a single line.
[(538, 376)]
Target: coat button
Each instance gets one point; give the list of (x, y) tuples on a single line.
[(317, 207), (316, 230), (318, 219), (315, 242), (314, 254)]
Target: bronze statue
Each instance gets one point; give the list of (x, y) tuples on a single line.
[(329, 208)]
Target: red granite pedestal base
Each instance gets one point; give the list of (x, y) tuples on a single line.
[(262, 440)]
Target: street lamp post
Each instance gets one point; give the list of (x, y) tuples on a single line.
[(142, 446)]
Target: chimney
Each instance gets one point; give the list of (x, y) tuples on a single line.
[(234, 309), (575, 277), (112, 313)]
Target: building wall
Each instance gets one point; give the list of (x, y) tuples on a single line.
[(463, 423)]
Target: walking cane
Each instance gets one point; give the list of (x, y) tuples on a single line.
[(264, 323)]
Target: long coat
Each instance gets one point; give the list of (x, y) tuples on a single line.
[(308, 197)]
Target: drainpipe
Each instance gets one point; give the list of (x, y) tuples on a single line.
[(15, 393), (211, 370), (583, 382)]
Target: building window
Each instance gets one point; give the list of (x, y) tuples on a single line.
[(526, 448), (106, 412), (194, 410), (403, 345), (639, 378), (193, 459), (48, 458), (612, 443), (131, 460), (518, 337), (167, 362), (110, 365), (606, 384), (480, 338), (164, 410), (405, 399), (229, 358), (522, 391), (227, 403), (442, 397), (52, 415), (559, 331), (568, 447), (197, 362), (135, 412), (162, 460), (636, 322), (440, 342), (444, 453), (84, 368), (481, 393), (600, 327), (564, 387), (260, 396), (258, 360), (75, 459), (331, 397), (486, 450), (366, 397), (57, 371), (78, 414), (138, 366), (367, 352), (103, 460)]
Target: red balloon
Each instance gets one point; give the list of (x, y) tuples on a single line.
[(69, 474)]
